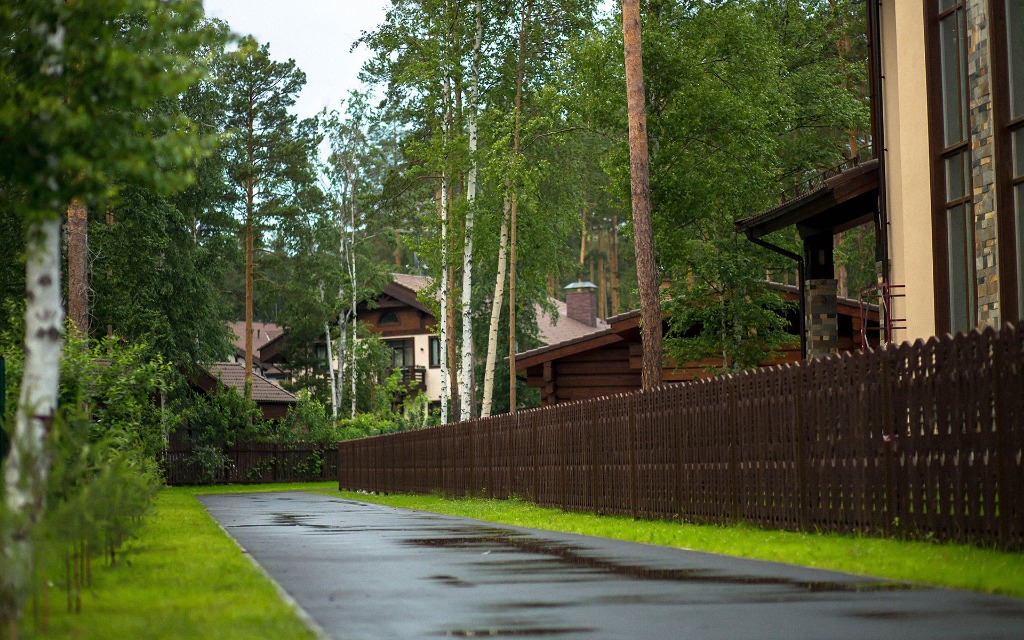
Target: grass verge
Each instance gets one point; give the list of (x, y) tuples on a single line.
[(181, 578), (947, 565)]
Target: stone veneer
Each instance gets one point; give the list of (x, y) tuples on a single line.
[(822, 319), (986, 256)]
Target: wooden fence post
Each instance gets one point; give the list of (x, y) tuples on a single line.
[(631, 448), (800, 451), (535, 446), (730, 417), (888, 429), (1002, 446), (594, 461)]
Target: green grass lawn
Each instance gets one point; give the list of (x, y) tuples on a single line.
[(948, 565), (181, 578), (184, 578)]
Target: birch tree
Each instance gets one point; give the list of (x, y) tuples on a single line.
[(79, 82)]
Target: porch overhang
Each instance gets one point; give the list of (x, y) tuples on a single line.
[(837, 203)]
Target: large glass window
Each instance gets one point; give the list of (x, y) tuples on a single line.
[(401, 353), (1015, 54), (956, 164), (1014, 19)]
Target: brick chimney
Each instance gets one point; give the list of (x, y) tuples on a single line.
[(581, 302)]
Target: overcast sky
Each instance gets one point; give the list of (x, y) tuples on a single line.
[(317, 34)]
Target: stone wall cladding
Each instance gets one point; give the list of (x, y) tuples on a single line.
[(822, 319), (986, 256)]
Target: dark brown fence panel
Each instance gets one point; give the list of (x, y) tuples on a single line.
[(917, 440), (252, 462)]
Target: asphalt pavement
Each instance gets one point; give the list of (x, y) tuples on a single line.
[(364, 571)]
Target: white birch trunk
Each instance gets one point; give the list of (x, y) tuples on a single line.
[(466, 381), (28, 462), (496, 304), (445, 382), (353, 370), (27, 465), (339, 382), (330, 362)]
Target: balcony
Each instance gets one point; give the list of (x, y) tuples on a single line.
[(414, 379)]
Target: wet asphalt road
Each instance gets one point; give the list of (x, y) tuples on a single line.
[(364, 571)]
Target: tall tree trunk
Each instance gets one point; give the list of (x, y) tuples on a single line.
[(442, 205), (640, 189), (524, 24), (248, 305), (602, 280), (584, 225), (466, 381), (354, 289), (330, 361), (28, 463), (78, 267), (613, 260), (496, 302)]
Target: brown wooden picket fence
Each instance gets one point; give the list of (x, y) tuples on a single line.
[(921, 440), (254, 462)]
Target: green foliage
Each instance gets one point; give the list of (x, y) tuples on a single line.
[(220, 418), (103, 442), (81, 81), (307, 421), (154, 282), (744, 98)]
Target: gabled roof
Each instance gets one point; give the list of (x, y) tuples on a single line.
[(232, 374), (262, 334), (411, 282), (552, 328), (559, 327)]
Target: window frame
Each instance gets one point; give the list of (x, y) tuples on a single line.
[(940, 152), (1011, 254), (431, 361)]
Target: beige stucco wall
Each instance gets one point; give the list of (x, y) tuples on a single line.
[(908, 179), (421, 345)]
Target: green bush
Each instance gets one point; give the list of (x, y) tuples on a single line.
[(102, 444)]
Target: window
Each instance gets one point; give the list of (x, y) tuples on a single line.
[(1014, 19), (388, 316), (401, 352), (435, 352), (954, 212)]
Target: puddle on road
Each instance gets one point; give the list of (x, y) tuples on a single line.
[(519, 632), (502, 542)]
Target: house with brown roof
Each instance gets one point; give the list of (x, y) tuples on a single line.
[(272, 400), (608, 360), (267, 344), (408, 327)]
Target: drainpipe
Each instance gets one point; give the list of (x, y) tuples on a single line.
[(802, 286), (878, 135)]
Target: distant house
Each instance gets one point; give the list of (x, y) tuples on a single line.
[(267, 344), (408, 327), (272, 400), (608, 361)]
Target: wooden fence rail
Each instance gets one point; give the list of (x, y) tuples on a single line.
[(252, 463), (921, 440)]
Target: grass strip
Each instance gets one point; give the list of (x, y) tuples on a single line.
[(947, 565), (181, 578)]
